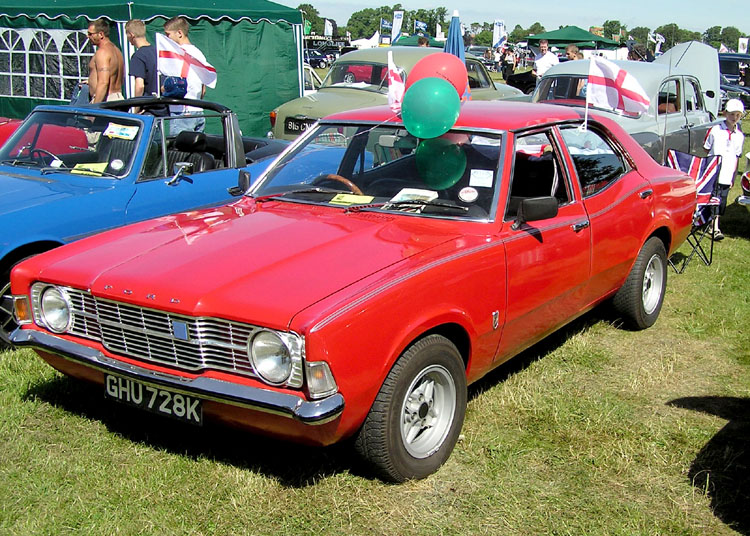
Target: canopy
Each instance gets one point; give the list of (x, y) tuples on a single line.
[(573, 35), (117, 10), (255, 46)]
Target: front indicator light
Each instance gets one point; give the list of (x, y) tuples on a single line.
[(55, 309), (320, 382), (22, 310)]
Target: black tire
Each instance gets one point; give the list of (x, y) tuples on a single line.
[(640, 299), (7, 321), (417, 416)]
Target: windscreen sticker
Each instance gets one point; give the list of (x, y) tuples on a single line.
[(122, 132), (117, 164), (351, 199), (93, 168), (468, 194), (481, 178), (414, 194)]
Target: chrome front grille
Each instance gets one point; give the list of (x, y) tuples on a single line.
[(189, 343)]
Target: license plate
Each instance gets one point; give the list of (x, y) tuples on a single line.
[(295, 126), (154, 399)]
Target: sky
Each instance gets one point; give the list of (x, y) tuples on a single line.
[(687, 14)]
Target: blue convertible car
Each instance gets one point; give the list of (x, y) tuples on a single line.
[(68, 172)]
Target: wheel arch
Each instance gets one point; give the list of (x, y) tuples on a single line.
[(665, 235), (26, 250)]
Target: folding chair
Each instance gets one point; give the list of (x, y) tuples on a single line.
[(705, 172)]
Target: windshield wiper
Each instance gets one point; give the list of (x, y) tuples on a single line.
[(316, 190), (407, 203)]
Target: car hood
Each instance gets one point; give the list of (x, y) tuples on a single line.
[(248, 262), (331, 100), (19, 192)]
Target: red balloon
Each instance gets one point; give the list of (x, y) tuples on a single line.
[(440, 65)]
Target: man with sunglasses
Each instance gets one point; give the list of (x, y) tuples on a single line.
[(107, 66)]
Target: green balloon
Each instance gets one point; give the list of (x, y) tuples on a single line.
[(430, 107), (440, 162)]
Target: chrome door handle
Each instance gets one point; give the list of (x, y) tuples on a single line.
[(646, 193), (580, 226)]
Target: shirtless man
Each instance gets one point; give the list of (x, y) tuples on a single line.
[(107, 66)]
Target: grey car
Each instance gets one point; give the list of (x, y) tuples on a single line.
[(359, 79), (682, 84)]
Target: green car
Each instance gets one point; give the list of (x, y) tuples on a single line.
[(358, 79)]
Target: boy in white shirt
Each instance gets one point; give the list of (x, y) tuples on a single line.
[(726, 139)]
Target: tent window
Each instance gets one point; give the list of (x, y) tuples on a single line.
[(42, 63)]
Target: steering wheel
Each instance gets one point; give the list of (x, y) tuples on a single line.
[(41, 152), (353, 188)]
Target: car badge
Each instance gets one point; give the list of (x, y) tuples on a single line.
[(180, 330)]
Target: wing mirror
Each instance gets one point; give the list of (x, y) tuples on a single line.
[(243, 184), (535, 208), (181, 172), (710, 94)]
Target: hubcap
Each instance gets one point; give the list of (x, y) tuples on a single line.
[(653, 281), (427, 412)]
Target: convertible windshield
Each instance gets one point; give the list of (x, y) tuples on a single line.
[(370, 76), (75, 143), (383, 167)]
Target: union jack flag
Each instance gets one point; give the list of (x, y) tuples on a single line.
[(705, 173)]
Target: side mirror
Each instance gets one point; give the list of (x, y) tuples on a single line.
[(181, 172), (243, 184), (710, 94), (535, 208)]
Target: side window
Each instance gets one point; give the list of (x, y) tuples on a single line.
[(669, 98), (693, 100), (537, 172), (596, 162), (477, 75), (153, 165)]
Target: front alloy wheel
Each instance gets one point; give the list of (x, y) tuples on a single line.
[(417, 416)]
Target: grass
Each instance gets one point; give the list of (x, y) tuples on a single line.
[(596, 430)]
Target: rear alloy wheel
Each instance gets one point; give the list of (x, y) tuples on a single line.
[(640, 299), (417, 416)]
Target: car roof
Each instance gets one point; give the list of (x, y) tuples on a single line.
[(403, 57), (737, 56), (492, 115)]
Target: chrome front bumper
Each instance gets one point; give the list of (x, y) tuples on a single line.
[(285, 405)]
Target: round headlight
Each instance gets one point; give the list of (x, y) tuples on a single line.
[(55, 309), (270, 356)]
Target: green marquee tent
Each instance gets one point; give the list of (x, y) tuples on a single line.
[(573, 35), (255, 46)]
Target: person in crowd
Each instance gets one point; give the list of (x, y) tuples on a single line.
[(726, 139), (544, 60), (579, 55), (143, 63), (498, 59), (423, 41), (107, 66), (638, 53), (177, 29), (571, 52), (509, 64)]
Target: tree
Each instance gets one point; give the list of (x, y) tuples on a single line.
[(366, 22), (311, 14), (483, 38), (535, 28), (730, 37), (712, 36), (612, 29), (518, 34), (640, 34), (670, 33)]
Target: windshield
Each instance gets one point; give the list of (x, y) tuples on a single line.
[(369, 76), (385, 168), (74, 143)]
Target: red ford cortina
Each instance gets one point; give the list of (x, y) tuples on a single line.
[(366, 278)]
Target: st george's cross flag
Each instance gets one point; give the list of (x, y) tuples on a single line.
[(172, 60), (611, 87), (396, 85)]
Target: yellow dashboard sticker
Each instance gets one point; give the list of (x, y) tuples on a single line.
[(93, 168), (123, 132), (351, 199)]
